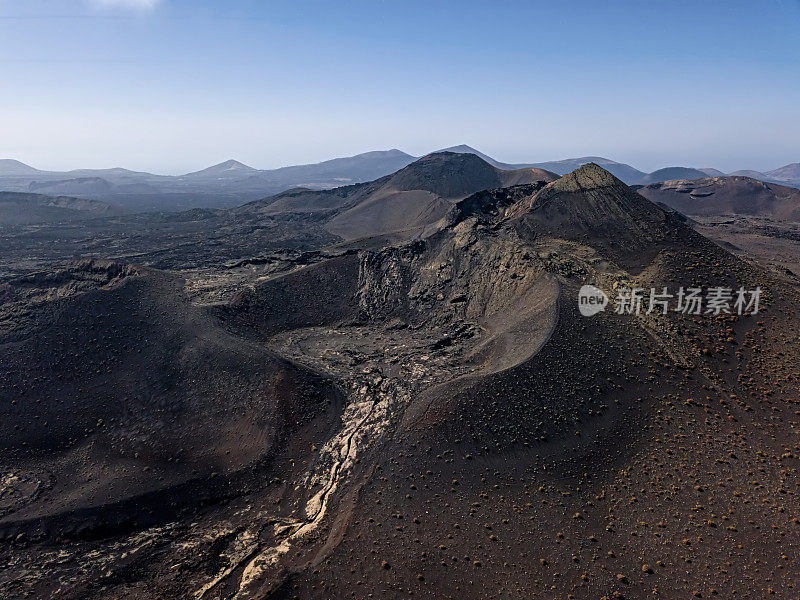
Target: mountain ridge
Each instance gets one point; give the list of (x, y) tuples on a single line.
[(232, 182)]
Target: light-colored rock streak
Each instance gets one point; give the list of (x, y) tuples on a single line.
[(365, 418)]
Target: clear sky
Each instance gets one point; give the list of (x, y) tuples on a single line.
[(171, 86)]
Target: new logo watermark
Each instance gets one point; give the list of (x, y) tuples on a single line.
[(591, 300), (689, 301)]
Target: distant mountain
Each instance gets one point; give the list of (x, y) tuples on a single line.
[(626, 173), (338, 171), (15, 168), (622, 171), (788, 173), (114, 174), (670, 173), (17, 208), (78, 186), (748, 173), (726, 195), (229, 183), (464, 149), (230, 169), (232, 183)]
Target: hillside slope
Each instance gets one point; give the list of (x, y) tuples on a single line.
[(110, 407), (19, 208), (403, 203), (428, 417), (727, 195)]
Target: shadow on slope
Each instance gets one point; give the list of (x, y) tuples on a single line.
[(119, 398)]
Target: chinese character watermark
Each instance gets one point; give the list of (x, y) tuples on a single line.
[(688, 301)]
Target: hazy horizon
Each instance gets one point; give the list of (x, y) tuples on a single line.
[(170, 87), (256, 166)]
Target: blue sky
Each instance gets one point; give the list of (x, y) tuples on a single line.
[(173, 85)]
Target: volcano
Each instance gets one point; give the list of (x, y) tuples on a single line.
[(404, 203), (411, 404), (727, 195)]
